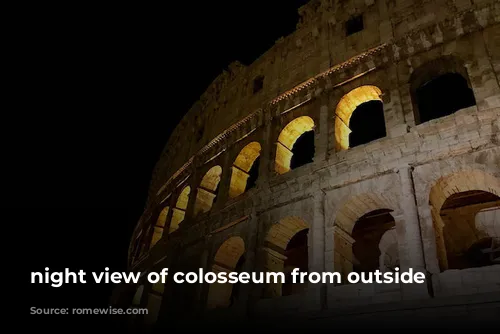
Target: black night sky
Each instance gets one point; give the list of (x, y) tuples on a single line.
[(105, 87)]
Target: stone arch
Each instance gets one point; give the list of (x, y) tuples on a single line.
[(351, 103), (287, 139), (154, 301), (357, 206), (136, 304), (159, 226), (360, 229), (428, 77), (228, 258), (136, 300), (207, 190), (455, 201), (244, 168), (389, 255), (285, 248), (179, 211)]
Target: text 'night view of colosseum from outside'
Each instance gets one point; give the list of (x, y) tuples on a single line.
[(367, 139)]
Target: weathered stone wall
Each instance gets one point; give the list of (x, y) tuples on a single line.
[(318, 44), (307, 74)]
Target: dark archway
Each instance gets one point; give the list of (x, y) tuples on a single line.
[(367, 233), (296, 257), (253, 174), (235, 293), (367, 123), (303, 150), (443, 96)]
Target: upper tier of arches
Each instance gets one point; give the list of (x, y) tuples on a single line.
[(360, 118)]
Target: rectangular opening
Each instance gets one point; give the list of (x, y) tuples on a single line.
[(354, 25), (258, 84)]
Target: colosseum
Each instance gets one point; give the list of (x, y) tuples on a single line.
[(367, 139)]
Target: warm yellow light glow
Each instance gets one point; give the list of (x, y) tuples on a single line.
[(179, 212), (226, 260), (346, 106), (277, 239), (212, 178), (157, 233), (207, 190), (241, 167), (177, 218), (280, 234), (162, 217), (160, 225), (287, 139)]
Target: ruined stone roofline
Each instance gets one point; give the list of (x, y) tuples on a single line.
[(236, 68), (308, 84), (287, 94)]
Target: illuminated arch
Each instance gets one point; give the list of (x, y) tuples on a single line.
[(456, 200), (360, 227), (346, 107), (227, 259), (286, 248), (243, 163), (207, 191), (160, 226), (287, 139), (179, 211)]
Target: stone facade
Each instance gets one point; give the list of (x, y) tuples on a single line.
[(419, 172)]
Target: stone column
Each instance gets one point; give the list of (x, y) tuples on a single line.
[(249, 266), (316, 253), (225, 182), (266, 160), (200, 297), (342, 252), (321, 138), (412, 235), (273, 262)]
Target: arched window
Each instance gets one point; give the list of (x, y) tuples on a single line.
[(229, 258), (180, 208), (359, 118), (364, 236), (159, 226), (367, 234), (207, 191), (295, 145), (440, 88), (245, 169), (464, 209), (287, 249)]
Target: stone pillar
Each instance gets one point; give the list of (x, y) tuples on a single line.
[(316, 253), (200, 300), (273, 262), (342, 252), (219, 294), (412, 235), (225, 182), (316, 237), (266, 160), (249, 265), (321, 137)]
